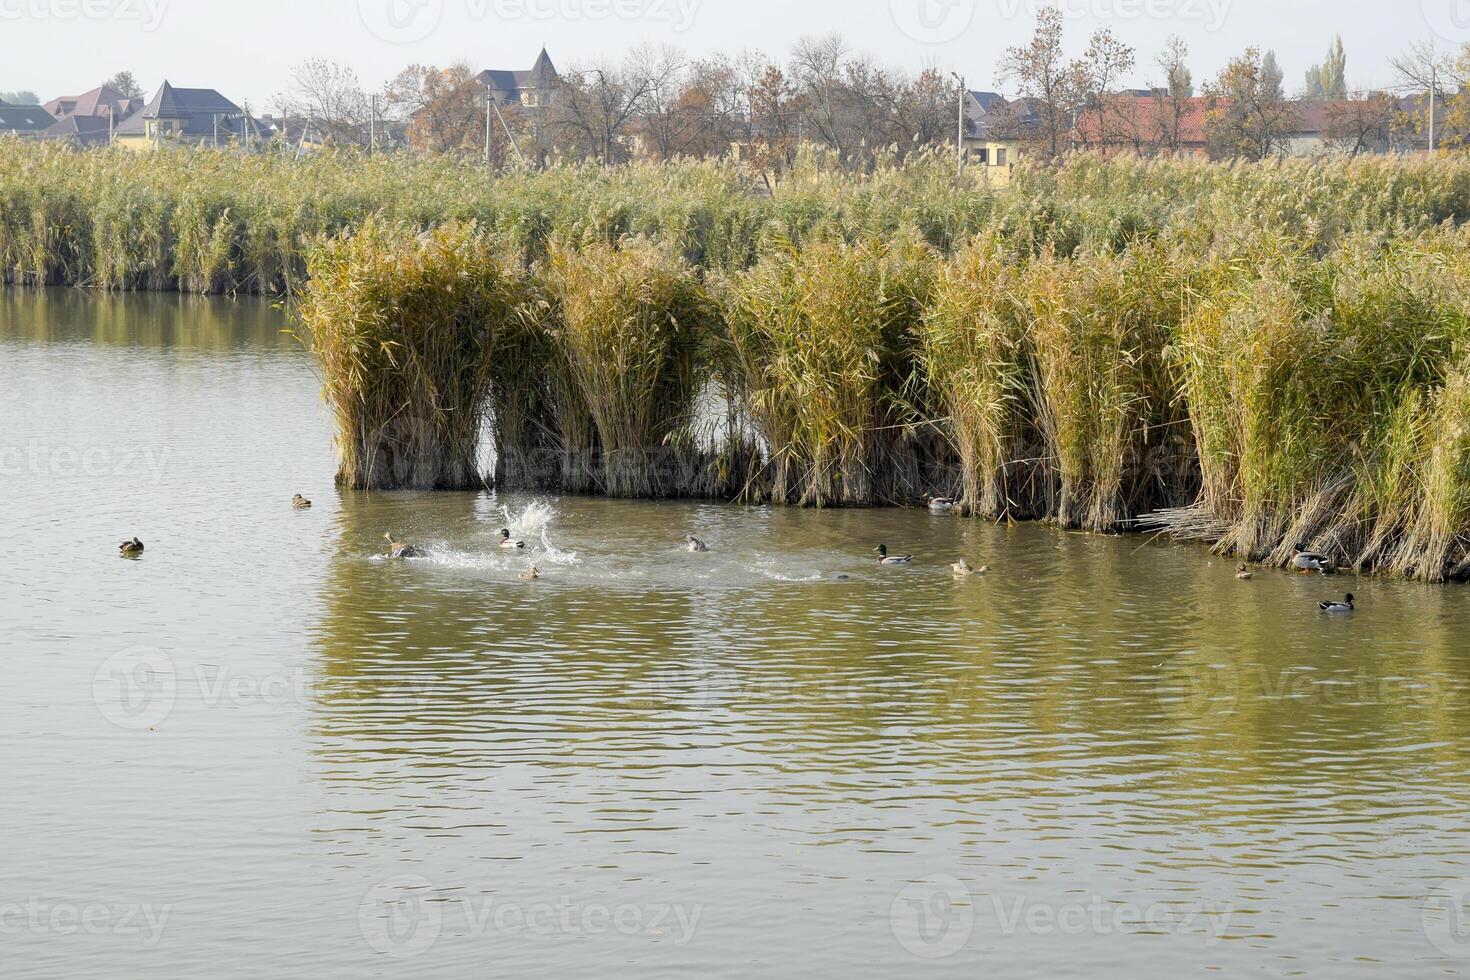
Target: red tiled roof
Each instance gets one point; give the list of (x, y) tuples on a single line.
[(1131, 119)]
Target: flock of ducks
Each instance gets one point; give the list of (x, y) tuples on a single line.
[(1303, 561)]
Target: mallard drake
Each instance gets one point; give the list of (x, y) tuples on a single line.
[(133, 547), (695, 544), (884, 559), (1244, 574), (300, 503), (1310, 561), (964, 569), (507, 542), (531, 575), (1346, 606), (941, 505), (399, 550)]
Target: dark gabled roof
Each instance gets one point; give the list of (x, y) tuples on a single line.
[(987, 100), (181, 103), (540, 75), (23, 118), (85, 130)]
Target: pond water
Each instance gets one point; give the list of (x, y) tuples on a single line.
[(262, 749)]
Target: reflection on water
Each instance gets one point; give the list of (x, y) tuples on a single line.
[(1107, 750)]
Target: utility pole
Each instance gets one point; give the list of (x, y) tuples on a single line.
[(959, 140), (372, 125), (1433, 84), (489, 100)]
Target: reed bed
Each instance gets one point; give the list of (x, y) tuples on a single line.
[(1260, 356)]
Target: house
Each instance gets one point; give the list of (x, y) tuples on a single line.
[(23, 120), (187, 116), (79, 130), (531, 89), (103, 101), (997, 133)]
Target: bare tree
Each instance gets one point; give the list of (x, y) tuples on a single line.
[(594, 105), (327, 96), (667, 122), (1044, 77), (1106, 61), (1363, 125)]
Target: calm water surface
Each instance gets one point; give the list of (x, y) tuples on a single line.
[(263, 750)]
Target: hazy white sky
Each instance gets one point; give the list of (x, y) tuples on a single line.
[(246, 49)]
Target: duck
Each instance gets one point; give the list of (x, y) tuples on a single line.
[(964, 569), (1244, 574), (399, 550), (1346, 606), (133, 547), (531, 575), (507, 542), (941, 505), (1310, 561), (695, 544), (300, 503), (885, 559)]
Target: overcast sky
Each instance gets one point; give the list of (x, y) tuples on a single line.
[(246, 49)]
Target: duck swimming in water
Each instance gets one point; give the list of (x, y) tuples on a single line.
[(941, 505), (695, 544), (885, 559), (963, 569), (1345, 606), (507, 542), (300, 503), (399, 550), (133, 547), (1244, 574), (532, 575), (1310, 561)]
